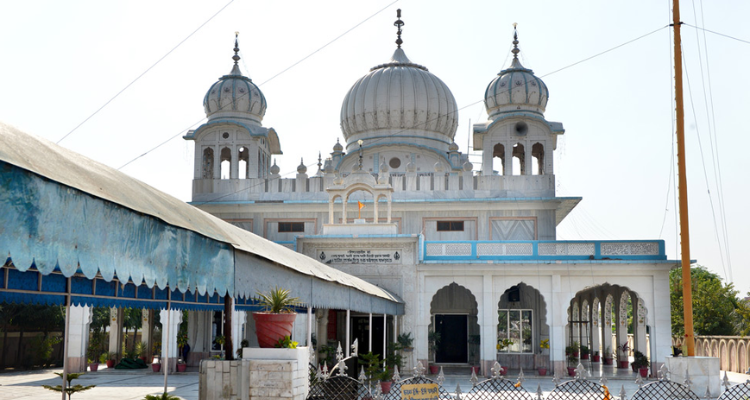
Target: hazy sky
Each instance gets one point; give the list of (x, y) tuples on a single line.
[(61, 61)]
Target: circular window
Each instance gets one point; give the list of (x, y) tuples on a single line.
[(395, 162), (225, 135)]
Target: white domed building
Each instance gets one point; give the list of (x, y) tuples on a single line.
[(471, 250)]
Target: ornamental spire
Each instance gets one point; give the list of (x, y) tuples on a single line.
[(398, 24), (236, 57), (515, 50)]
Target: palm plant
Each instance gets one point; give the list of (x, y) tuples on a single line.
[(163, 396), (277, 301)]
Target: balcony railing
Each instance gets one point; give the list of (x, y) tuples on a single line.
[(545, 250)]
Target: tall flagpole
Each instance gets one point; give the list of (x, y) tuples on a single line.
[(687, 294)]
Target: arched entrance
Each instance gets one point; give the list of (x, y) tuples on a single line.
[(522, 319), (454, 326)]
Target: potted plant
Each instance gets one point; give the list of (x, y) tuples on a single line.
[(103, 358), (503, 344), (386, 380), (181, 366), (182, 341), (574, 348), (244, 343), (277, 320), (543, 345), (140, 349), (156, 364), (640, 363), (405, 341), (595, 357), (572, 364), (608, 356), (93, 365), (220, 340), (622, 357), (584, 352), (109, 358), (70, 389), (434, 341)]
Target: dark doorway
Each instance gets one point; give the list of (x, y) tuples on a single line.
[(360, 331), (454, 338)]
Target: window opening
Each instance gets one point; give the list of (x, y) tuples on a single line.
[(498, 159), (519, 160), (537, 151), (291, 226), (243, 164), (514, 331), (451, 226), (226, 163)]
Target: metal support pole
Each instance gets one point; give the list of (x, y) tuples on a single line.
[(687, 290), (65, 341), (369, 334), (165, 356), (385, 337), (228, 340), (309, 327)]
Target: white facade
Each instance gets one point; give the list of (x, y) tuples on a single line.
[(464, 247)]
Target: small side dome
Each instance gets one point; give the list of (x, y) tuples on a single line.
[(515, 89), (235, 95), (453, 147), (301, 169), (383, 167), (275, 168), (338, 148), (468, 166), (411, 167)]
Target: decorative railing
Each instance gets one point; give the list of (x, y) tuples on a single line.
[(544, 250), (733, 352)]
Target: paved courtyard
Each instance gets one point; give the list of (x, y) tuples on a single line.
[(135, 385)]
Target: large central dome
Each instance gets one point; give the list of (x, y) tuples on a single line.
[(400, 102)]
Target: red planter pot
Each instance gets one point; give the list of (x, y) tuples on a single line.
[(385, 386), (110, 363), (475, 370), (156, 367), (585, 356), (271, 327), (503, 370), (542, 371), (181, 367), (575, 354), (571, 371), (595, 358), (623, 364), (607, 361), (434, 369), (94, 367), (644, 372)]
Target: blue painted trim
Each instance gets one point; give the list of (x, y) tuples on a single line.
[(597, 256), (492, 199)]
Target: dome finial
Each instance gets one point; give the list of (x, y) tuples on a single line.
[(515, 50), (398, 24), (236, 57)]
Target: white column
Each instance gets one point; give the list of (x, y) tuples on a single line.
[(330, 212), (527, 158), (509, 159), (607, 326), (217, 162), (238, 321), (78, 338), (348, 328), (174, 318), (146, 333), (558, 312), (596, 324), (621, 330), (487, 321), (639, 322), (660, 320), (115, 332), (309, 335)]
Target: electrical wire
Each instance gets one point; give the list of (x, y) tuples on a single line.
[(715, 148), (703, 163), (145, 72), (717, 33)]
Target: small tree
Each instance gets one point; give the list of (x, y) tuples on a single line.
[(69, 389)]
